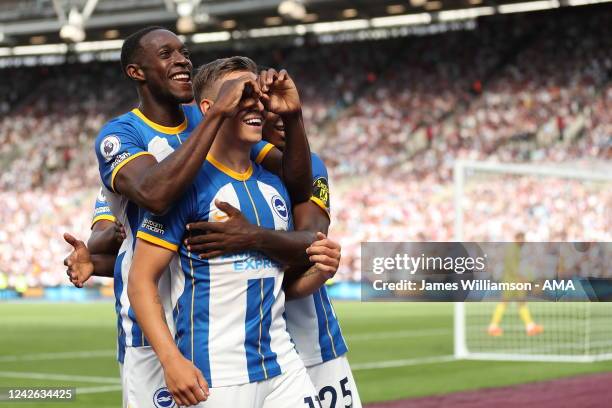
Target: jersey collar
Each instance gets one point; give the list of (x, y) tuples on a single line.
[(160, 128), (233, 174)]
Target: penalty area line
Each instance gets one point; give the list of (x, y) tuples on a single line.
[(403, 363), (397, 334), (60, 355), (59, 377), (98, 390)]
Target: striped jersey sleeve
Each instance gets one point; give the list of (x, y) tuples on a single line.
[(102, 210)]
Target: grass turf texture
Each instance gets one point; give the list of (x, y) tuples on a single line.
[(376, 333)]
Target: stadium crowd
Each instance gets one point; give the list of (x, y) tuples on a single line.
[(389, 118)]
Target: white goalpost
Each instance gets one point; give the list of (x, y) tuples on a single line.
[(572, 331)]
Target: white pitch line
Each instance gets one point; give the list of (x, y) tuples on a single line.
[(117, 387), (98, 390), (398, 334), (70, 355), (60, 377), (403, 363), (67, 355)]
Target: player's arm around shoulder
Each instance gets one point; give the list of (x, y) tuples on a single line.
[(153, 185)]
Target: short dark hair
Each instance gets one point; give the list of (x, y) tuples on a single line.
[(131, 46), (208, 74)]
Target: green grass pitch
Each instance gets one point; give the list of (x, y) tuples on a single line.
[(72, 344)]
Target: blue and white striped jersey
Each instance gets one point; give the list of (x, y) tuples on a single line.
[(229, 310), (312, 321)]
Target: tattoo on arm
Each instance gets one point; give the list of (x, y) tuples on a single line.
[(311, 271), (158, 301)]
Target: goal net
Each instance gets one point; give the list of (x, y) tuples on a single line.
[(493, 203)]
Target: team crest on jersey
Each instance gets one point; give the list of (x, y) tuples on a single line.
[(280, 207), (320, 190), (163, 399), (110, 146)]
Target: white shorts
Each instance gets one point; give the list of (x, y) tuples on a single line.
[(143, 380), (292, 389), (123, 394), (335, 384)]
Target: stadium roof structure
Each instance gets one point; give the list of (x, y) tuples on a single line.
[(35, 27)]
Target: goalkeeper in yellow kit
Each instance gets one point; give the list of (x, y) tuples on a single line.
[(512, 274)]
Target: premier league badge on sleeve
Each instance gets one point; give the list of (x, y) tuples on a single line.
[(110, 147)]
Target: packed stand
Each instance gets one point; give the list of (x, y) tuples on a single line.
[(482, 94), (550, 90)]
